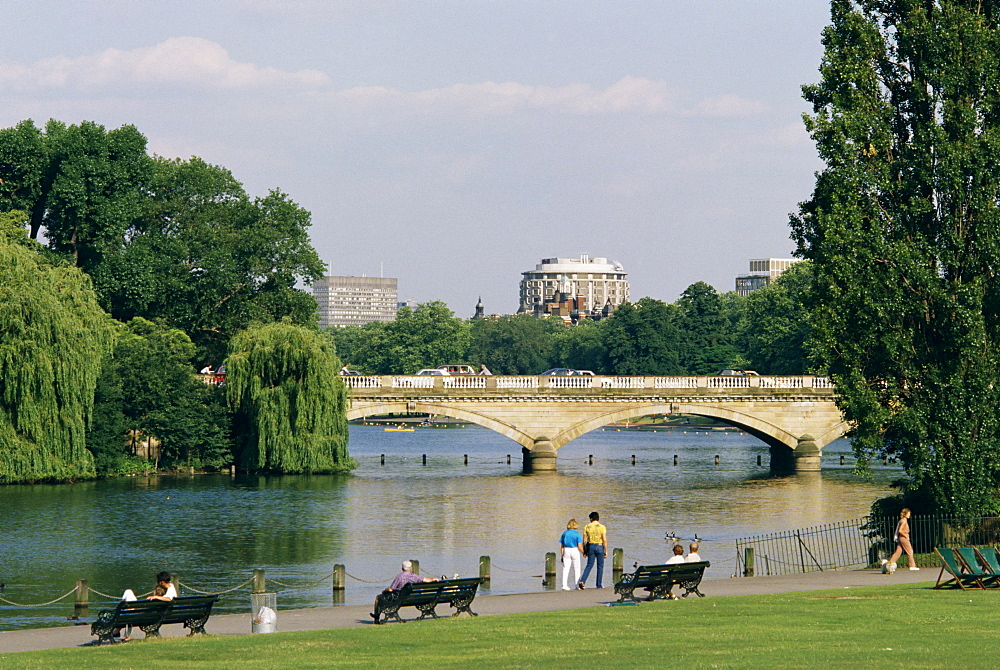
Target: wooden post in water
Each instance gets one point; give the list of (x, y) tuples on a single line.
[(617, 563), (841, 460), (259, 581), (424, 458), (508, 459), (383, 459), (748, 562), (675, 459), (633, 459), (416, 565), (82, 597), (465, 458), (590, 459), (339, 572), (716, 459), (550, 568), (758, 460), (484, 569)]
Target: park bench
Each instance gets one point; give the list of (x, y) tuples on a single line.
[(660, 579), (149, 615), (425, 596)]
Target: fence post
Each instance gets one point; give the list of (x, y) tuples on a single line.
[(259, 581), (82, 596), (338, 577), (484, 569), (748, 562), (617, 563), (550, 568)]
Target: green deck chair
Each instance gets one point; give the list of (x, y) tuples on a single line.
[(949, 563), (969, 558), (989, 558)]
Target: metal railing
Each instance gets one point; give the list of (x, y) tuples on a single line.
[(855, 544)]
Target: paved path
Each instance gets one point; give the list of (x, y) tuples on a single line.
[(351, 616)]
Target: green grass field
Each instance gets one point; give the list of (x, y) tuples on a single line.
[(901, 626)]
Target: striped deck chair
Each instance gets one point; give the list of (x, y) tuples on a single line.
[(969, 558), (949, 563)]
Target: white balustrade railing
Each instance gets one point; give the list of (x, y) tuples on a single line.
[(517, 382), (365, 382), (623, 382), (822, 383), (781, 382), (727, 382), (413, 382), (675, 382), (570, 382), (464, 382)]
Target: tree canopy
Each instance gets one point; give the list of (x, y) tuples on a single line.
[(902, 229)]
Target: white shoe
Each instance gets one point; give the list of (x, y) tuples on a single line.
[(566, 588), (885, 566), (913, 567)]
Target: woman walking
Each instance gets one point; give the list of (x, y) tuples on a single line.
[(570, 550), (902, 538)]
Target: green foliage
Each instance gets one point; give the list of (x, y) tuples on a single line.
[(642, 339), (902, 229), (514, 345), (706, 331), (580, 347), (289, 401), (53, 336), (774, 324)]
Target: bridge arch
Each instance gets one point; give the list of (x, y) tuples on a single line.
[(526, 440)]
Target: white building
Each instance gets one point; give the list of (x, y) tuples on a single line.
[(355, 301), (589, 284), (763, 271)]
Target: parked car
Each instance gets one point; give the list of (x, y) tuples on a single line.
[(565, 372), (736, 372), (457, 369), (434, 372)]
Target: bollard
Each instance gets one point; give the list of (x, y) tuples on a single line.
[(82, 597), (633, 459), (550, 568), (416, 566), (465, 458), (425, 459), (259, 581), (339, 583), (841, 460), (675, 459), (508, 459), (617, 563), (716, 459), (758, 460), (484, 568), (383, 459), (748, 562), (590, 459)]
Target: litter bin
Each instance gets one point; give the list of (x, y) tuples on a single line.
[(264, 612)]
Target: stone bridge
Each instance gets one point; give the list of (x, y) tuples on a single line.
[(796, 416)]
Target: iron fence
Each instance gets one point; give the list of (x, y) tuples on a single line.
[(855, 544)]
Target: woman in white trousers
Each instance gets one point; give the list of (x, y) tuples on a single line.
[(570, 551)]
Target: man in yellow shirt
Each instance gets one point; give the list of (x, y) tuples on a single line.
[(595, 545)]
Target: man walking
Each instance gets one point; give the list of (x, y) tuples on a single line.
[(595, 545)]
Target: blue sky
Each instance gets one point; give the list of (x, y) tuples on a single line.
[(455, 144)]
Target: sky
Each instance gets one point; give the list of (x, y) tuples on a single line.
[(453, 144)]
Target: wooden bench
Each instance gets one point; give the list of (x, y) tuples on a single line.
[(149, 615), (660, 579), (425, 596)]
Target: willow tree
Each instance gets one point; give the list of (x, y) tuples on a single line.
[(288, 399), (53, 336), (904, 231)]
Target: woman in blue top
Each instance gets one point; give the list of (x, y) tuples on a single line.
[(570, 550)]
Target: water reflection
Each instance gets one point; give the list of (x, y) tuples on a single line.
[(213, 530)]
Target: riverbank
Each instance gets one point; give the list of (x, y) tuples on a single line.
[(357, 616)]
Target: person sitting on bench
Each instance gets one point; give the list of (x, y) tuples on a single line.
[(401, 580)]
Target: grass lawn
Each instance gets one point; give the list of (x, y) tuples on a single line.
[(899, 626)]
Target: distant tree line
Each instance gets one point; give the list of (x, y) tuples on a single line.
[(123, 274), (698, 334)]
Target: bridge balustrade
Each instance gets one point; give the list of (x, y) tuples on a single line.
[(529, 382), (675, 382), (623, 382), (517, 382), (464, 382), (413, 382), (570, 382)]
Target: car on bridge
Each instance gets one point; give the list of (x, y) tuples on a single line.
[(566, 372), (433, 372), (737, 372), (457, 369)]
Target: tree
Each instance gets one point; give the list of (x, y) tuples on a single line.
[(514, 345), (208, 259), (80, 183), (774, 325), (642, 339), (705, 331), (53, 336), (902, 229), (289, 402)]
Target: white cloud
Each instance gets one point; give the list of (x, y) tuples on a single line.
[(729, 106), (183, 61)]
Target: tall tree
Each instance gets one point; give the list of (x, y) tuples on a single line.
[(53, 336), (903, 231), (289, 401), (514, 345), (705, 330), (774, 326), (642, 339)]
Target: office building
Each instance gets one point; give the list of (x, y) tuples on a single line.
[(355, 301), (763, 271)]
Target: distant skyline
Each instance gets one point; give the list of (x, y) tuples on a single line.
[(454, 144)]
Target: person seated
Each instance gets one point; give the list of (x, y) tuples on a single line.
[(678, 556), (401, 580), (207, 370), (168, 590), (693, 556)]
